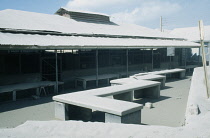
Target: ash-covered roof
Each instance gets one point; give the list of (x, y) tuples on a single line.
[(79, 42), (28, 28), (192, 33), (37, 21)]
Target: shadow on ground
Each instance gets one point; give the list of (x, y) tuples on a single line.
[(22, 103), (145, 100)]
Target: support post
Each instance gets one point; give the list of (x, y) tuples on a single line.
[(40, 65), (96, 67), (185, 62), (14, 95), (152, 59), (170, 63), (127, 62), (132, 118), (161, 24), (56, 71), (204, 58)]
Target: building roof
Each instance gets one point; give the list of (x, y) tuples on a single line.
[(192, 33), (29, 41), (27, 28)]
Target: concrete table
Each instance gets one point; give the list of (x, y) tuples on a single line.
[(180, 72), (39, 86), (136, 78), (152, 77), (85, 79)]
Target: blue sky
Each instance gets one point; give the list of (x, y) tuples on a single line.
[(176, 13)]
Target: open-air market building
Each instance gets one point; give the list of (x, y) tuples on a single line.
[(83, 43)]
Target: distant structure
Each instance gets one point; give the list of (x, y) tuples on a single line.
[(192, 34), (85, 16)]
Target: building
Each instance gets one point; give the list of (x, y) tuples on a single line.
[(80, 44), (192, 34)]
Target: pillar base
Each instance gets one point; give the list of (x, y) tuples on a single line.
[(132, 118)]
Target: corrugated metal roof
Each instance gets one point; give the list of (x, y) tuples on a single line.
[(29, 41)]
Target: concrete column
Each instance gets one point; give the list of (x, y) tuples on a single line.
[(152, 92), (14, 95), (96, 67), (79, 113), (38, 91), (40, 65), (61, 111), (185, 63), (152, 59), (132, 118), (71, 112), (127, 62), (163, 82), (182, 74), (56, 71), (84, 84), (127, 96)]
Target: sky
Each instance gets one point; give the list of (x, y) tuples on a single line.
[(175, 13)]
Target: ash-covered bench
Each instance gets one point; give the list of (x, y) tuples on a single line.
[(80, 106), (134, 78), (179, 73), (39, 86), (85, 79), (128, 92), (118, 110), (189, 68)]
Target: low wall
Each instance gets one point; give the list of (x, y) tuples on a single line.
[(197, 104)]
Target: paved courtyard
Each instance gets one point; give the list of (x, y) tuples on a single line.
[(169, 110)]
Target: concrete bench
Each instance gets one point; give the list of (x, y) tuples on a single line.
[(152, 77), (85, 79), (134, 78), (189, 68), (80, 106), (127, 92), (116, 110), (179, 73), (130, 73), (39, 86)]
